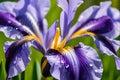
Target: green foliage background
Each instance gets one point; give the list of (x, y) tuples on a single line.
[(33, 70)]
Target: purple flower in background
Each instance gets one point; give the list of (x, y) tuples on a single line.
[(27, 24)]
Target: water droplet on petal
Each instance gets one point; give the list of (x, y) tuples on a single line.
[(67, 66), (9, 22), (91, 65), (96, 70), (62, 61), (14, 62), (19, 59)]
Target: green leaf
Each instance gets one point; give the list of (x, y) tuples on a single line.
[(2, 71), (36, 71), (23, 75)]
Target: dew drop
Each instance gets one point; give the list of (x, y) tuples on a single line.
[(9, 22), (96, 70), (67, 66), (62, 61), (19, 58), (91, 65), (14, 62), (16, 28)]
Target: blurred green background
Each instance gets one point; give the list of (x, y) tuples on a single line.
[(33, 70)]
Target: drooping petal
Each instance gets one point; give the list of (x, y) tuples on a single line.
[(10, 32), (99, 26), (90, 63), (8, 21), (95, 12), (99, 11), (80, 63), (109, 47), (115, 15), (50, 35), (93, 27), (17, 57)]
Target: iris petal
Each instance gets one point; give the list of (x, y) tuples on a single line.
[(108, 46), (67, 14), (50, 35), (39, 12), (90, 63), (7, 7), (100, 26), (7, 19), (17, 57), (79, 63)]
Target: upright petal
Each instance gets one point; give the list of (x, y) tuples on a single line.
[(8, 7), (38, 10), (67, 15), (50, 35), (17, 57), (73, 5)]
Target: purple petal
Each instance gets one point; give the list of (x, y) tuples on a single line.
[(109, 47), (67, 14), (38, 10), (60, 66), (117, 60), (7, 19), (41, 7), (98, 11), (105, 45), (73, 5), (17, 57), (21, 7), (10, 32), (99, 26), (95, 12), (64, 17), (104, 6), (37, 46), (80, 63), (7, 7), (50, 35), (64, 5), (90, 63), (63, 24), (115, 15), (24, 19)]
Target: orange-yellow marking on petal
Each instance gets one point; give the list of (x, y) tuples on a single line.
[(81, 32), (61, 44), (44, 64), (30, 37), (65, 49), (56, 39)]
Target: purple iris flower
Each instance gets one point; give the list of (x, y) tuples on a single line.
[(27, 24)]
